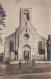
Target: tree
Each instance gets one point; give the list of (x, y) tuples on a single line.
[(42, 52), (2, 16), (16, 54), (1, 39)]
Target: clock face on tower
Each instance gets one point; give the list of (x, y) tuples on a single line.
[(26, 36)]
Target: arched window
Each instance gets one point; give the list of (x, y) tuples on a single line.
[(39, 45), (11, 46), (26, 14)]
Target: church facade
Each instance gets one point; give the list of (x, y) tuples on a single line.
[(25, 41)]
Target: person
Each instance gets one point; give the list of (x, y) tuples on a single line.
[(20, 64), (27, 59), (33, 62)]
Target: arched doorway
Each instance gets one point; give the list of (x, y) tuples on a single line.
[(27, 52)]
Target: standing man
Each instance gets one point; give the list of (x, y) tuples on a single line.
[(33, 62), (20, 64)]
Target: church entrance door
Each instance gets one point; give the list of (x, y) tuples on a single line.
[(26, 52)]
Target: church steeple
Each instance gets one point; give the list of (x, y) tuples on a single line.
[(25, 16)]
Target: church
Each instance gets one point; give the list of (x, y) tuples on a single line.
[(25, 42)]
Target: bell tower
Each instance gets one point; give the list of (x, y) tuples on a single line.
[(25, 17)]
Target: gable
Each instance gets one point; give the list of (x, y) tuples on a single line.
[(26, 30)]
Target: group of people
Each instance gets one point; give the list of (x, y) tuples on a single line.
[(20, 63)]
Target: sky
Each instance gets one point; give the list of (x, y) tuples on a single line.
[(40, 16)]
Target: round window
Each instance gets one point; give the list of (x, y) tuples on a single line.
[(26, 36)]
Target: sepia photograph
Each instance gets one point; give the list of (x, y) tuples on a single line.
[(25, 39)]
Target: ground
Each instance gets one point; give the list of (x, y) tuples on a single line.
[(27, 71)]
